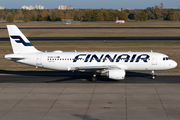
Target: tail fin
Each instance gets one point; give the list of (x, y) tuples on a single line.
[(20, 44)]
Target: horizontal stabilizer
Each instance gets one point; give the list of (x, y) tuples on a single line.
[(14, 56)]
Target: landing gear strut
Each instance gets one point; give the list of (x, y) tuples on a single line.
[(153, 75), (94, 78)]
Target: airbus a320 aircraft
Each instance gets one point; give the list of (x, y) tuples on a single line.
[(111, 64)]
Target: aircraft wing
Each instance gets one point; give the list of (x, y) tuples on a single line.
[(93, 67), (112, 71)]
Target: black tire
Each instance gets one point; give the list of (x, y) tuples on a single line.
[(94, 79), (153, 77)]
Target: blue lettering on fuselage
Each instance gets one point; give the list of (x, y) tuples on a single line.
[(115, 58), (124, 57), (109, 57), (77, 57), (94, 57), (141, 57)]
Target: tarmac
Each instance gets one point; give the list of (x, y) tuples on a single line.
[(64, 99)]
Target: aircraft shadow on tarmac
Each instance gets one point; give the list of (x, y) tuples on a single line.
[(84, 116), (69, 77)]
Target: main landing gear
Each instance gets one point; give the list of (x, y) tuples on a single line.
[(153, 75), (94, 77)]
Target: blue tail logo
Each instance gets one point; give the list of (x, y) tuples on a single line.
[(20, 40)]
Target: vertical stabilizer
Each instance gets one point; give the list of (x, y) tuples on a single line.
[(20, 44)]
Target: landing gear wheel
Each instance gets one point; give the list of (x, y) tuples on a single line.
[(94, 78), (153, 77)]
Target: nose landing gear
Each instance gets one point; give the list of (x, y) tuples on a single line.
[(153, 75)]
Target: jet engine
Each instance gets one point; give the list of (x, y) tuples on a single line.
[(117, 74)]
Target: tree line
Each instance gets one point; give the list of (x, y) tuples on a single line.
[(9, 15)]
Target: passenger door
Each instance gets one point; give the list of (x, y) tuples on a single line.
[(39, 60), (154, 59)]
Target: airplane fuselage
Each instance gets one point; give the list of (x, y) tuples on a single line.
[(67, 61)]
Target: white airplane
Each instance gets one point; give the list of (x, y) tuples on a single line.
[(111, 64)]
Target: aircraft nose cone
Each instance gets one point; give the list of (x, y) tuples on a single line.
[(173, 64)]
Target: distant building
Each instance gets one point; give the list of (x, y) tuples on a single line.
[(161, 6), (38, 7), (2, 8), (69, 7), (63, 7)]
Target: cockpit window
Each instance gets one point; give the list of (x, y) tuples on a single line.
[(166, 58)]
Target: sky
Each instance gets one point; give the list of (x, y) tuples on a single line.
[(91, 4)]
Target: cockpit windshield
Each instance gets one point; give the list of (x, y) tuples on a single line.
[(166, 58)]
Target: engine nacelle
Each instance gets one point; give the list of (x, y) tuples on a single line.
[(115, 74)]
